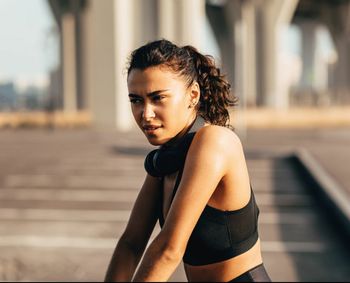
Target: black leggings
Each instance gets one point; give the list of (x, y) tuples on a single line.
[(256, 274)]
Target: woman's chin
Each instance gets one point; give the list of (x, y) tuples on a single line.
[(155, 140)]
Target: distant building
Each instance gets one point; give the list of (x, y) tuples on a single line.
[(30, 98), (33, 98), (8, 96), (55, 98)]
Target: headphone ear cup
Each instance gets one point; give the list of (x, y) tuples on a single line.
[(169, 161), (149, 164), (159, 162)]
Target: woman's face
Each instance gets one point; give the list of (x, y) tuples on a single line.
[(160, 102)]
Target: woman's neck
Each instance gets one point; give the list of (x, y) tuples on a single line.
[(191, 126)]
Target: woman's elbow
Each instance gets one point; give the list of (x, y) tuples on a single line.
[(169, 250), (171, 254)]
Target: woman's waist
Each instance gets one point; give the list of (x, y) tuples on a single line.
[(225, 270)]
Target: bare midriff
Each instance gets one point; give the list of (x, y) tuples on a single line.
[(225, 270)]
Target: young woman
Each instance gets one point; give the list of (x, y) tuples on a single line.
[(197, 183)]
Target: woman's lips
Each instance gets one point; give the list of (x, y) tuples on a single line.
[(151, 129)]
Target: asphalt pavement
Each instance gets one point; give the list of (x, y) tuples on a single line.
[(65, 197)]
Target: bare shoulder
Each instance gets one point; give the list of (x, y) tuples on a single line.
[(218, 138)]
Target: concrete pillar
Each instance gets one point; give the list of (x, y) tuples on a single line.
[(123, 42), (342, 69), (246, 30), (145, 20), (110, 103), (87, 66), (337, 20), (69, 63), (308, 54), (272, 19), (182, 21), (222, 19), (241, 17), (167, 19), (77, 7), (191, 22)]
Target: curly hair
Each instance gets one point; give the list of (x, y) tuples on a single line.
[(215, 90)]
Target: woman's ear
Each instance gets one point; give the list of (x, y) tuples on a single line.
[(195, 93)]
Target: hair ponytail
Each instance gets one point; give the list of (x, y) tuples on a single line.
[(215, 89), (215, 95)]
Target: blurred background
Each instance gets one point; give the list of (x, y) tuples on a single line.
[(71, 157)]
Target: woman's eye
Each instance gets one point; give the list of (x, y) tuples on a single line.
[(135, 100), (158, 97)]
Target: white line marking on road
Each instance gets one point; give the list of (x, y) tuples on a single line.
[(293, 247), (64, 215), (85, 181), (57, 242), (282, 200), (34, 241), (68, 195), (37, 214), (286, 218)]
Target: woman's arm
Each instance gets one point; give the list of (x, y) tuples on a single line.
[(123, 263), (132, 243), (207, 162)]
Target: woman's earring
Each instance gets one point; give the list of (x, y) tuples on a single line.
[(193, 104)]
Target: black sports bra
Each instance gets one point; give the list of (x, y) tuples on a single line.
[(218, 235)]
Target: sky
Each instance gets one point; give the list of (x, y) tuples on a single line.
[(28, 44)]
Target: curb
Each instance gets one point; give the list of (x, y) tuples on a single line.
[(327, 189)]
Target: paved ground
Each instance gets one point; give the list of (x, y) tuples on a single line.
[(65, 197), (329, 146)]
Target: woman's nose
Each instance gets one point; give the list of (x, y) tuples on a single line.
[(148, 112)]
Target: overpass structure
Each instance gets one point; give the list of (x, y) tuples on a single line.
[(97, 36)]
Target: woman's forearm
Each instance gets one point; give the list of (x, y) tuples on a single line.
[(158, 263), (123, 264)]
